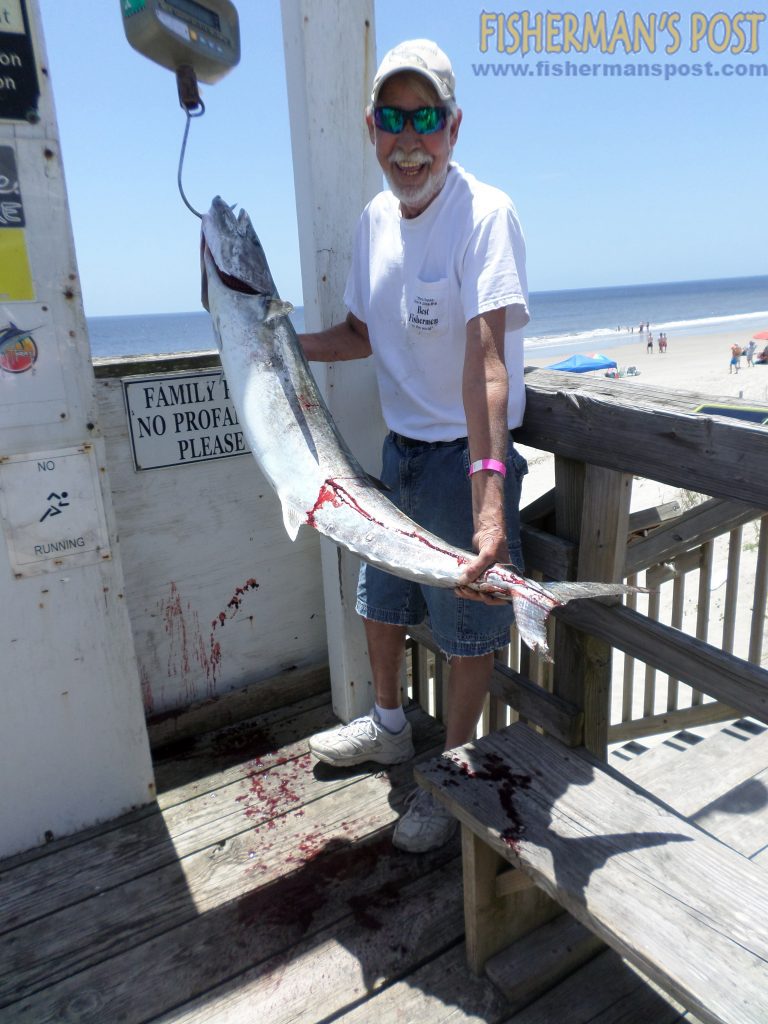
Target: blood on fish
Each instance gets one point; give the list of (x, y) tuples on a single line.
[(308, 403), (326, 495), (332, 492)]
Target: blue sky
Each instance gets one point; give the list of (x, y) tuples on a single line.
[(616, 180)]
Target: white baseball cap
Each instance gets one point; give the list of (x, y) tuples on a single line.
[(422, 56)]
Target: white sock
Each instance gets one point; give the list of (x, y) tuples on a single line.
[(391, 719)]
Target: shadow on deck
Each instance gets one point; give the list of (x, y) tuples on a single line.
[(264, 887)]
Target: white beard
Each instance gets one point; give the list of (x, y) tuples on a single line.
[(419, 196)]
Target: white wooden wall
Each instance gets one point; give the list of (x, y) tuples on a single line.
[(192, 536), (73, 742)]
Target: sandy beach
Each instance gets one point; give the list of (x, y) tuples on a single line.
[(697, 363), (692, 363)]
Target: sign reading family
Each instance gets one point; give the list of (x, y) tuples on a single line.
[(180, 419), (524, 32)]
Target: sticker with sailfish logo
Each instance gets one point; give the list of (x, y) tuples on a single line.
[(18, 349)]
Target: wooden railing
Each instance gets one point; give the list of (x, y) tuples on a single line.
[(604, 434)]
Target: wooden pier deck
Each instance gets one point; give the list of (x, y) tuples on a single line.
[(264, 887)]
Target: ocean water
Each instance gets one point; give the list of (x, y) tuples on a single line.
[(583, 319), (576, 320)]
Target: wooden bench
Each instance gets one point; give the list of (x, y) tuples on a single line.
[(688, 911)]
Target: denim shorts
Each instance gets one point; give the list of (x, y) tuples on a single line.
[(429, 482)]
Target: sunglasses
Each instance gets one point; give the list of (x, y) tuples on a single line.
[(425, 120)]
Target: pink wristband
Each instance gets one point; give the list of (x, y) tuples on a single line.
[(493, 464)]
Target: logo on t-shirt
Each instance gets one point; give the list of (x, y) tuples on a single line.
[(428, 309)]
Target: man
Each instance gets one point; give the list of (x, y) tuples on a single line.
[(437, 293)]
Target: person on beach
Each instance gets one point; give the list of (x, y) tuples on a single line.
[(735, 365), (437, 294), (649, 346), (749, 352)]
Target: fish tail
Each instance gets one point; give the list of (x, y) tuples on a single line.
[(565, 591), (531, 621), (531, 616)]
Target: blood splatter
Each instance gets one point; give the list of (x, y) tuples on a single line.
[(271, 793), (211, 657), (235, 603), (186, 644), (506, 784), (146, 690)]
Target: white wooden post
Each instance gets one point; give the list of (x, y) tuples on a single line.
[(330, 61), (73, 742)]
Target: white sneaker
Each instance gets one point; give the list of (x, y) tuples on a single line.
[(426, 825), (363, 739)]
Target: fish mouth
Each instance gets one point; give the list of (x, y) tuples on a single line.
[(235, 250), (235, 284), (207, 264), (230, 247)]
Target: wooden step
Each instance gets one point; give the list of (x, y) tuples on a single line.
[(719, 784), (542, 959), (439, 992), (607, 990), (664, 895), (531, 966)]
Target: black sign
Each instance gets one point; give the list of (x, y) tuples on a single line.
[(19, 89), (11, 210)]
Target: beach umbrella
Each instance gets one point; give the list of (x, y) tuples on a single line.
[(761, 336), (583, 364)]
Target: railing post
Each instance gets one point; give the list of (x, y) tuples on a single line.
[(592, 508), (757, 630)]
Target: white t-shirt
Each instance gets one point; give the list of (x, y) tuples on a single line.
[(417, 282)]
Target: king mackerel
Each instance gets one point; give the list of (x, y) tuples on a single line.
[(300, 451)]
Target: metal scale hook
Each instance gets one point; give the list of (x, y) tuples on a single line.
[(189, 99)]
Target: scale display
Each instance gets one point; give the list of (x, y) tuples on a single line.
[(202, 34)]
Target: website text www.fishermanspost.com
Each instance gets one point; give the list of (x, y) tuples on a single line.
[(644, 39), (665, 71)]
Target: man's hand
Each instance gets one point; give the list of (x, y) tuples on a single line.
[(347, 340), (491, 548)]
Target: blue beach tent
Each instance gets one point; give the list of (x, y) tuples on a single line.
[(582, 364)]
